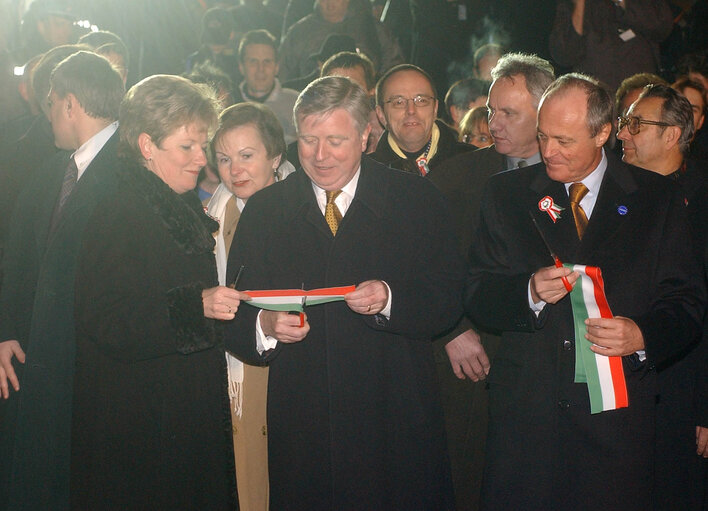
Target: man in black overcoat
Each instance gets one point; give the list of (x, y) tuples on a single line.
[(682, 422), (354, 419), (545, 450), (37, 299)]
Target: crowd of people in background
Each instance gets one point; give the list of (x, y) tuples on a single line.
[(430, 161)]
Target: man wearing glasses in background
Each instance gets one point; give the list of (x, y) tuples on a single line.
[(655, 135), (407, 106)]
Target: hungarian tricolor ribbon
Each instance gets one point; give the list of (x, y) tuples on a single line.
[(604, 375), (290, 300), (554, 210)]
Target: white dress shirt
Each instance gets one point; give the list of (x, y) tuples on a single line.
[(85, 154), (343, 201)]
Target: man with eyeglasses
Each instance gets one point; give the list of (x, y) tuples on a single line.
[(655, 135), (548, 447), (407, 106)]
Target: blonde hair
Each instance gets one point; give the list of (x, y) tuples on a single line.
[(161, 104)]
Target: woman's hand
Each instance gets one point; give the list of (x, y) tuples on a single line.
[(222, 302)]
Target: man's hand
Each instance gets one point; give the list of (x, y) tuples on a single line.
[(283, 326), (222, 302), (369, 297), (547, 283), (614, 337), (8, 349), (702, 441), (467, 356)]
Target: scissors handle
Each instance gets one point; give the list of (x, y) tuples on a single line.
[(566, 284)]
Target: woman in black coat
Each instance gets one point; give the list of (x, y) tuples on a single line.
[(150, 418)]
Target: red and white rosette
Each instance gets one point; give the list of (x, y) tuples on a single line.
[(546, 204)]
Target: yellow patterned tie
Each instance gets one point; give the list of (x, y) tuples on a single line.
[(332, 214), (576, 193)]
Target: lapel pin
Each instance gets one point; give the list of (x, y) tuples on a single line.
[(546, 204), (622, 210)]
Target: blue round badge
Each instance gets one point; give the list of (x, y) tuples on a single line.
[(622, 210)]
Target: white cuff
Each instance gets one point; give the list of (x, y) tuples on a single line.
[(386, 311), (263, 342), (536, 307)]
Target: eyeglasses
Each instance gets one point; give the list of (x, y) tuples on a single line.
[(634, 124), (420, 101)]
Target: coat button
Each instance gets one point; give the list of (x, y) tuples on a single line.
[(563, 404), (567, 345)]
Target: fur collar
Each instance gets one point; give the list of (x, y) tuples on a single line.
[(182, 215)]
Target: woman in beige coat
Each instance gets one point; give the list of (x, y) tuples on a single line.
[(247, 150)]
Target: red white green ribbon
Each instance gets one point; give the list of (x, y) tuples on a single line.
[(291, 299), (554, 210), (604, 375)]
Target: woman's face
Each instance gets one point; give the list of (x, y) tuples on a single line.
[(243, 163), (180, 157)]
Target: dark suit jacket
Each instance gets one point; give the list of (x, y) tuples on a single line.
[(37, 309), (354, 406), (448, 146), (545, 450)]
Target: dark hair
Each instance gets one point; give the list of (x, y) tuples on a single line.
[(206, 72), (685, 82), (634, 82), (45, 66), (217, 25), (465, 91), (600, 110), (349, 60), (381, 84), (93, 80), (675, 110), (260, 117), (260, 36)]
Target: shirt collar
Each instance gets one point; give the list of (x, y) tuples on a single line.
[(85, 154), (593, 181), (512, 162), (344, 199)]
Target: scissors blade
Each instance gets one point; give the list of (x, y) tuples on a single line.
[(540, 233)]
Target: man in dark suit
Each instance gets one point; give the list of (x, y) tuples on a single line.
[(354, 420), (37, 299), (407, 106), (463, 356), (682, 413), (545, 449)]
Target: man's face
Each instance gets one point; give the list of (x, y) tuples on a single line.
[(567, 148), (260, 68), (56, 30), (330, 148), (333, 10), (698, 106), (646, 148), (512, 117), (411, 127), (61, 125), (485, 66)]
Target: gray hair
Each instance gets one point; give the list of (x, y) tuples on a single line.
[(600, 108), (675, 110), (537, 72), (329, 93), (98, 87)]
